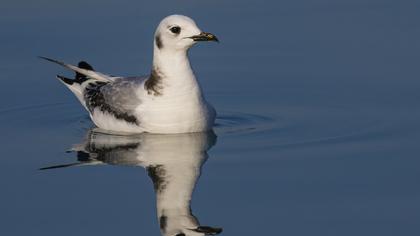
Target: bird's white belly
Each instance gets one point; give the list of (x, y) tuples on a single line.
[(176, 117), (107, 121)]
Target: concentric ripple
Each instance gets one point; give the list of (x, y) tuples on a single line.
[(241, 123)]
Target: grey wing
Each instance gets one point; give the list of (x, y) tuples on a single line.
[(117, 98), (122, 93)]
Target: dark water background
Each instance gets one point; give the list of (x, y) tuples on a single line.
[(319, 116)]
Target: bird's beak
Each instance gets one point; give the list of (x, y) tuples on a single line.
[(203, 36)]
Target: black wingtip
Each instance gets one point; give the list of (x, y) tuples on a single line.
[(46, 58), (84, 65), (80, 78), (60, 166), (65, 80), (51, 60)]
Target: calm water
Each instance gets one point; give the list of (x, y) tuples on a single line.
[(318, 130)]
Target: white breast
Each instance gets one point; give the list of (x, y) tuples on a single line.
[(180, 113)]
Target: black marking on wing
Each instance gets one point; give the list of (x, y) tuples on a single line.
[(95, 99), (66, 80), (157, 174), (153, 84), (80, 78)]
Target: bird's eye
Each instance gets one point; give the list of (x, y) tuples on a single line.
[(175, 29)]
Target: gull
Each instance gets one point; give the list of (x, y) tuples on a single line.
[(169, 100)]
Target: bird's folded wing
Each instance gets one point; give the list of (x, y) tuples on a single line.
[(121, 94), (117, 98)]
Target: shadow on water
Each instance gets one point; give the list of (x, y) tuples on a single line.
[(173, 162)]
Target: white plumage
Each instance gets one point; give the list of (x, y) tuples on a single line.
[(169, 100)]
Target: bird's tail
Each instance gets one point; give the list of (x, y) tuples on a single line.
[(75, 85), (82, 69), (79, 77), (84, 74)]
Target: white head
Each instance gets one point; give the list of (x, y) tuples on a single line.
[(177, 32)]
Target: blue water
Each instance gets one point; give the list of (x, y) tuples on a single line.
[(318, 130)]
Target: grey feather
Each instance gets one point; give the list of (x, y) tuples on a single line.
[(117, 98)]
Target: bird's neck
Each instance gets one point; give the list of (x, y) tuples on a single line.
[(174, 71)]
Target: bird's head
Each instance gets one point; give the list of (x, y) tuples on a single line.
[(177, 32)]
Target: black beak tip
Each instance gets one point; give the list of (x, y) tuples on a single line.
[(212, 37), (203, 36)]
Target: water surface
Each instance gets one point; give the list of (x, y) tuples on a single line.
[(317, 134)]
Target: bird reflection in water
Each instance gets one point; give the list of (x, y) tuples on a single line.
[(173, 162)]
